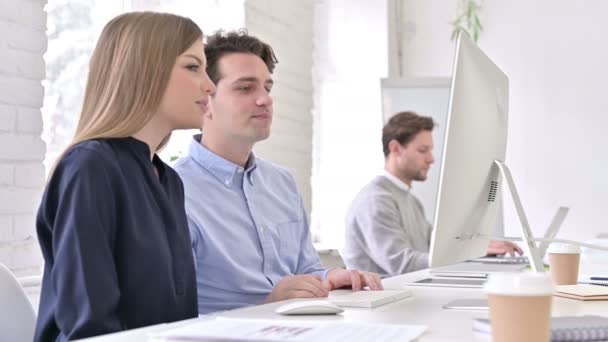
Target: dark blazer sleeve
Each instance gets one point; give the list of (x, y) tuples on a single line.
[(80, 212)]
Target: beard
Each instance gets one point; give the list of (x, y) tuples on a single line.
[(420, 175)]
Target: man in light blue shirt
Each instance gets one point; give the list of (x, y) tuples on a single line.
[(249, 231)]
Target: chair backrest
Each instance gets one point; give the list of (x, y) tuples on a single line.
[(17, 317)]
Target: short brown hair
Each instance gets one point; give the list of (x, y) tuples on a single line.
[(403, 127), (222, 43)]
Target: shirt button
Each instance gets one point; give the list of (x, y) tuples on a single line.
[(227, 182), (240, 171)]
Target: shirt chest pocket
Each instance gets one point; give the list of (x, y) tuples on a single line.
[(289, 234)]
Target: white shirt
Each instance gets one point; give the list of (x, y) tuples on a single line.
[(398, 182)]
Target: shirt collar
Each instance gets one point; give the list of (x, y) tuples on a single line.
[(398, 182), (137, 145), (222, 169), (143, 150)]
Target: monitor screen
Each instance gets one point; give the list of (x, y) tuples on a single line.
[(476, 135)]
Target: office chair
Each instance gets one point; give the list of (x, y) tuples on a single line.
[(18, 319)]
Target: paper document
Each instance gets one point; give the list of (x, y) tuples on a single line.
[(231, 329)]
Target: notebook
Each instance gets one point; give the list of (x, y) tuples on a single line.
[(566, 328), (590, 279), (582, 292), (369, 299)]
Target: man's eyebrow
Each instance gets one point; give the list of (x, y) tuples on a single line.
[(252, 79), (193, 56)]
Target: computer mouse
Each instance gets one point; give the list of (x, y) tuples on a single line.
[(309, 307)]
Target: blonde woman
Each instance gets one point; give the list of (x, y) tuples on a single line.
[(112, 224)]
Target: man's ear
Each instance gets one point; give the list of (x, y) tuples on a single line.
[(394, 146)]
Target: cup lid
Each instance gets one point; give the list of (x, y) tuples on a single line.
[(520, 284), (563, 248)]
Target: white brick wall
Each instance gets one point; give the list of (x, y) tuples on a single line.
[(29, 121), (7, 174), (9, 117), (22, 44), (6, 229), (287, 26)]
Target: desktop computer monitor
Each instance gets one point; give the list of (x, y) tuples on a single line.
[(476, 135)]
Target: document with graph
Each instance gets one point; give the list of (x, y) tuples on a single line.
[(231, 329)]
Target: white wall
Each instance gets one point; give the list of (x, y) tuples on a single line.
[(22, 44), (287, 26), (424, 33), (554, 53)]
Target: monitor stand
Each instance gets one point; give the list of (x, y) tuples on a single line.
[(534, 252)]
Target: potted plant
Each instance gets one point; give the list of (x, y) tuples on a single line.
[(467, 19)]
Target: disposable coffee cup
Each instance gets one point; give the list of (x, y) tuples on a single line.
[(520, 306), (564, 260)]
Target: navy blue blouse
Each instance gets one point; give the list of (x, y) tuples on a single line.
[(115, 241)]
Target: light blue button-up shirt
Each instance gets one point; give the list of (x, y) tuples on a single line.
[(248, 228)]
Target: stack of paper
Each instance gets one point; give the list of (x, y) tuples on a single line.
[(229, 329), (583, 292)]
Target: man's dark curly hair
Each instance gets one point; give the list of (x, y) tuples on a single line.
[(222, 43), (403, 127)]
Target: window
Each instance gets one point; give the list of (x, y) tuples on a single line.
[(347, 148), (73, 29)]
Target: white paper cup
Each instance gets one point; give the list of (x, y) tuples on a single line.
[(520, 306), (564, 261)]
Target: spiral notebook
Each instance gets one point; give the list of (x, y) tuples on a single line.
[(566, 328)]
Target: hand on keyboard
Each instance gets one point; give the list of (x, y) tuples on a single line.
[(503, 248)]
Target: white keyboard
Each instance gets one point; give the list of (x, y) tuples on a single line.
[(369, 299), (510, 260)]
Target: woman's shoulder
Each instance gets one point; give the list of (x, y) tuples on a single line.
[(93, 146), (86, 165), (93, 156)]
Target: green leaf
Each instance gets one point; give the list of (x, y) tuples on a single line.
[(467, 19), (454, 35)]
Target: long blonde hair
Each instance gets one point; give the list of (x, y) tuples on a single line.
[(129, 72)]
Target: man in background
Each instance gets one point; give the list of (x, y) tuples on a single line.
[(386, 229)]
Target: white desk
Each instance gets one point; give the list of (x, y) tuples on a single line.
[(424, 307)]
